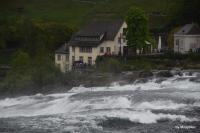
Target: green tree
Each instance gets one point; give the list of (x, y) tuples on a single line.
[(137, 31), (21, 61), (19, 77), (2, 43), (52, 34), (44, 71), (29, 75), (30, 35), (170, 37)]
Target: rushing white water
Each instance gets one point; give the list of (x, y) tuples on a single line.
[(145, 103)]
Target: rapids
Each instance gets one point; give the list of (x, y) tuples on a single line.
[(156, 106)]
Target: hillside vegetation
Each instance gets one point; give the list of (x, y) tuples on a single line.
[(77, 12)]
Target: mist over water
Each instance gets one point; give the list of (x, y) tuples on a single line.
[(158, 105)]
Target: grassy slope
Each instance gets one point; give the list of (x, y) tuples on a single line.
[(77, 12)]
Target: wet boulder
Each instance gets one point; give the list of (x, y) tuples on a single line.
[(123, 82), (160, 80), (177, 71), (130, 77), (141, 81), (117, 123), (166, 74), (145, 74), (196, 79)]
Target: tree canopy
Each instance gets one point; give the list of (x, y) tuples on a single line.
[(32, 35), (137, 31)]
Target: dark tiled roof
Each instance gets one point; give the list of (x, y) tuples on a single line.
[(108, 29), (189, 29), (62, 50)]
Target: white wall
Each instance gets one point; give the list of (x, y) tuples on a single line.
[(63, 63), (186, 42), (85, 56)]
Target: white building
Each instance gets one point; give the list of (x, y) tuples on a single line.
[(62, 58), (95, 39), (187, 39)]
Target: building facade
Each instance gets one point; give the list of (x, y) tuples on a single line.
[(62, 58), (98, 38), (187, 39)]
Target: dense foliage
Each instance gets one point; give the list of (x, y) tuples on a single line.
[(137, 32), (30, 75), (76, 12), (32, 35), (108, 64)]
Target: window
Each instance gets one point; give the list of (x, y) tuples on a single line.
[(119, 40), (101, 49), (177, 42), (124, 31), (58, 57), (85, 49), (67, 57), (108, 50), (124, 39), (73, 59), (193, 45), (89, 60), (181, 45), (73, 49), (81, 58)]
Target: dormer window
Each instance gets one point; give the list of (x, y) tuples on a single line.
[(88, 38), (85, 49), (101, 37)]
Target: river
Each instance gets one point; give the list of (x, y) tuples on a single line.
[(159, 105)]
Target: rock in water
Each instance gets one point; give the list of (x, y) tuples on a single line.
[(145, 74), (166, 74)]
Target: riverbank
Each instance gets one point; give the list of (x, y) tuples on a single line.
[(165, 61), (150, 105), (102, 79), (29, 78)]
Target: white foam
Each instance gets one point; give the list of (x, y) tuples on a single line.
[(127, 103), (120, 106), (158, 105), (183, 84), (33, 106), (146, 117)]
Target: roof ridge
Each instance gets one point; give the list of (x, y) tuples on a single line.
[(189, 29), (98, 27)]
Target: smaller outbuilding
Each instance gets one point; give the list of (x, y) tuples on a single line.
[(187, 39), (62, 58)]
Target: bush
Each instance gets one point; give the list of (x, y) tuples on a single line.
[(30, 74), (108, 64), (138, 64)]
